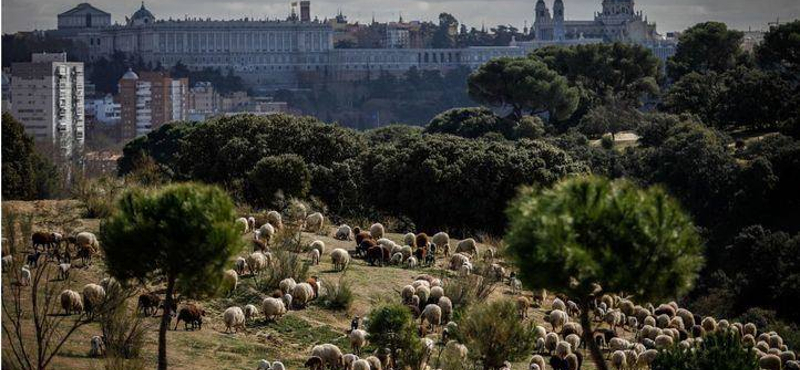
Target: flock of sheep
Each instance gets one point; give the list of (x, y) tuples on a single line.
[(630, 334)]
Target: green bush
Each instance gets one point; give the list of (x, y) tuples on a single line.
[(338, 295), (98, 196), (285, 174), (718, 351), (493, 333), (391, 326)]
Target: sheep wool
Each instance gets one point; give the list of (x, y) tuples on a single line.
[(273, 308), (242, 225), (340, 259), (234, 318), (358, 339), (468, 246), (93, 296), (71, 302), (330, 354), (274, 218), (287, 285), (410, 239), (432, 314), (344, 232), (230, 280), (376, 230), (250, 311)]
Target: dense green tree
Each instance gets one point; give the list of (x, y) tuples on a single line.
[(285, 174), (705, 47), (612, 119), (391, 326), (578, 234), (182, 234), (163, 145), (442, 37), (19, 46), (493, 333), (753, 99), (467, 122), (626, 72), (525, 85), (780, 50), (27, 175)]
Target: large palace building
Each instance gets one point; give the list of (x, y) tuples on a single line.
[(618, 21), (276, 53)]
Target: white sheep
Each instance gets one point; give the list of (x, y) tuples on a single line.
[(313, 256), (447, 308), (358, 339), (361, 364), (457, 260), (344, 232), (551, 341), (234, 318), (287, 285), (340, 259), (240, 265), (315, 222), (318, 245), (251, 223), (230, 280), (242, 224), (423, 292), (397, 258), (558, 304), (646, 358), (302, 294), (557, 318), (664, 341), (432, 314), (769, 362), (348, 361), (574, 340), (277, 365), (250, 311), (376, 230), (267, 231), (264, 365), (437, 292), (71, 302), (407, 292), (374, 363), (330, 354), (256, 262), (618, 360), (25, 276), (465, 269), (86, 239), (488, 255), (411, 262), (468, 246), (273, 308), (98, 347), (563, 349), (619, 344), (274, 218), (441, 240), (538, 361), (93, 296)]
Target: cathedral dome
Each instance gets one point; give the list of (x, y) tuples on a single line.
[(143, 15), (130, 75)]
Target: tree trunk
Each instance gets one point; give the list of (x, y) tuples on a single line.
[(588, 338), (166, 318)]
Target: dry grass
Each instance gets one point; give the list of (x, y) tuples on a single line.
[(289, 339)]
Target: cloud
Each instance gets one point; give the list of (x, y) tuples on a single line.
[(24, 15)]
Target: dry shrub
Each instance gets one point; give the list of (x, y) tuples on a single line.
[(337, 295), (463, 291)]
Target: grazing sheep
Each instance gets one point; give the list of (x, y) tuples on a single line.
[(751, 329), (432, 314), (787, 356), (242, 224), (664, 341), (522, 306), (315, 222), (407, 292), (348, 361), (550, 342), (468, 246), (770, 362), (273, 308), (274, 218), (277, 365), (775, 341), (313, 256), (240, 265), (376, 231), (250, 311), (45, 240), (437, 292), (340, 259), (266, 231), (318, 245), (538, 361), (409, 239), (71, 302), (558, 304), (563, 349), (618, 344), (358, 339), (447, 308), (148, 302), (574, 340), (63, 270), (361, 365), (344, 232), (423, 292), (411, 262), (488, 255), (375, 363), (442, 242), (397, 259), (287, 285), (618, 360), (406, 251), (314, 363), (557, 318), (86, 239), (190, 315), (421, 241), (709, 324), (93, 297), (287, 300), (458, 260), (234, 318), (302, 294), (230, 280), (25, 276), (330, 354), (256, 262), (98, 346), (646, 358)]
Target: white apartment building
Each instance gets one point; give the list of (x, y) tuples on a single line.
[(47, 96)]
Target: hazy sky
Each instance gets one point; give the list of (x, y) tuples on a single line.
[(24, 15)]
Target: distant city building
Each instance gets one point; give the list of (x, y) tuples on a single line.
[(82, 18), (148, 100), (47, 98), (203, 99), (6, 92), (104, 110), (751, 39), (618, 21), (398, 36)]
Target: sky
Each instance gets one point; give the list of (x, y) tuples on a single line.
[(669, 15)]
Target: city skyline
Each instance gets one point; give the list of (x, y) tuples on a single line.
[(22, 15)]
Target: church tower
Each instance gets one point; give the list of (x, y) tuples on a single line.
[(541, 20), (558, 20)]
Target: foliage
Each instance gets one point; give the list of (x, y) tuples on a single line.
[(578, 233), (183, 234), (493, 333), (27, 175), (391, 326), (21, 45), (123, 331), (525, 85), (466, 122), (284, 264), (717, 351), (98, 196), (163, 145), (705, 47), (780, 50), (604, 119), (464, 291), (767, 320), (338, 295), (287, 174)]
